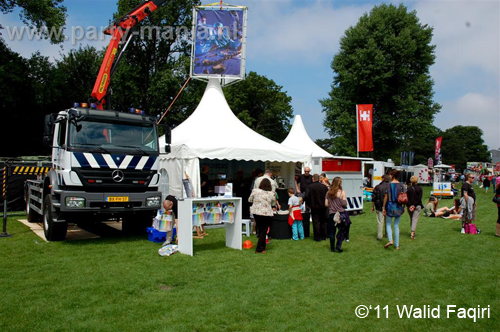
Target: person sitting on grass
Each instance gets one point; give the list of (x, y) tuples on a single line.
[(431, 210), (455, 211)]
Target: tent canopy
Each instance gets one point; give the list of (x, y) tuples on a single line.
[(299, 139), (214, 132)]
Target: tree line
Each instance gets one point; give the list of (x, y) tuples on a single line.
[(383, 60)]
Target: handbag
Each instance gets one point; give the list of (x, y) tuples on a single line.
[(336, 218), (496, 199), (402, 197)]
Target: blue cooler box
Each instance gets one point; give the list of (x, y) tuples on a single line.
[(156, 236)]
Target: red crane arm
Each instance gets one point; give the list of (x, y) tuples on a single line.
[(117, 29)]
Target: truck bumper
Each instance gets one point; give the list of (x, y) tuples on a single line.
[(109, 202)]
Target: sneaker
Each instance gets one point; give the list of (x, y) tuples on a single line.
[(463, 231), (347, 240)]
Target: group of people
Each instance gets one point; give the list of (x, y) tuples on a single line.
[(326, 202), (327, 205), (389, 206)]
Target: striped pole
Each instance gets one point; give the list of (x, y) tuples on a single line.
[(4, 191)]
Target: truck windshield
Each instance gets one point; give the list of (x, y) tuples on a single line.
[(109, 137)]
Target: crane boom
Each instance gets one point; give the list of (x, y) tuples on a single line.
[(117, 29)]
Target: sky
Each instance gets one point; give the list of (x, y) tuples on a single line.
[(293, 43)]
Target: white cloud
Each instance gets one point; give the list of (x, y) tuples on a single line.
[(473, 109), (467, 36), (280, 31)]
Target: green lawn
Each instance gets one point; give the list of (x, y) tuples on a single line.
[(120, 283)]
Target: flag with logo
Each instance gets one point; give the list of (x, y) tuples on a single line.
[(437, 151), (364, 115)]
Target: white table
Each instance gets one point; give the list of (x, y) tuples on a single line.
[(185, 223)]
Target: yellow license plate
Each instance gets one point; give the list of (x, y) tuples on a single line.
[(117, 199)]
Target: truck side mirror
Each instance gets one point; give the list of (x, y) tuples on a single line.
[(48, 129), (168, 139)]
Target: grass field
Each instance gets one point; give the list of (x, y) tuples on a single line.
[(120, 283)]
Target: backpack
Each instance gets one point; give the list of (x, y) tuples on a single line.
[(394, 208), (403, 197)]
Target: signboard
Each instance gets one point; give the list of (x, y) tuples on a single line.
[(220, 40), (437, 153)]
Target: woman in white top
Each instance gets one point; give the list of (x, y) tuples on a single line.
[(263, 199)]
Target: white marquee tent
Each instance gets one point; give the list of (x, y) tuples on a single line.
[(300, 140), (214, 132)]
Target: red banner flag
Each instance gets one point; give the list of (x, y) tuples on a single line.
[(364, 114)]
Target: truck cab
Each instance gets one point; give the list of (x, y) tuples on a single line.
[(104, 165)]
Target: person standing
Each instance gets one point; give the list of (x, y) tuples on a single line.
[(393, 210), (486, 183), (258, 173), (336, 201), (467, 192), (303, 181), (324, 179), (414, 204), (295, 215), (378, 204), (263, 199), (315, 199), (204, 180), (268, 174)]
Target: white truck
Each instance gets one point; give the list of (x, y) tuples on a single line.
[(350, 170), (104, 165), (373, 171)]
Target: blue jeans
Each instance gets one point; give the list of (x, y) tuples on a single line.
[(297, 230), (396, 229)]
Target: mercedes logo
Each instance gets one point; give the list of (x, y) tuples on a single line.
[(117, 176)]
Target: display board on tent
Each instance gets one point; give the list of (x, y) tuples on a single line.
[(220, 42)]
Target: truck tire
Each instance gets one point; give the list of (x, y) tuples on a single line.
[(33, 216), (54, 231)]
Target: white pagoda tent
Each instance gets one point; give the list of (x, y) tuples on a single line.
[(214, 132)]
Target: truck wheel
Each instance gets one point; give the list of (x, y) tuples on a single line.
[(33, 216), (54, 231)]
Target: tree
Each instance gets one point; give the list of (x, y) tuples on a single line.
[(462, 144), (18, 104), (41, 14), (76, 75), (384, 60), (261, 105)]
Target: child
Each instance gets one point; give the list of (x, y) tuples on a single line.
[(295, 215)]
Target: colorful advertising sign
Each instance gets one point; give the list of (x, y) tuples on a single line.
[(364, 115), (438, 150), (219, 47)]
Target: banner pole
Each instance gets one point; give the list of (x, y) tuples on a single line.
[(357, 131)]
